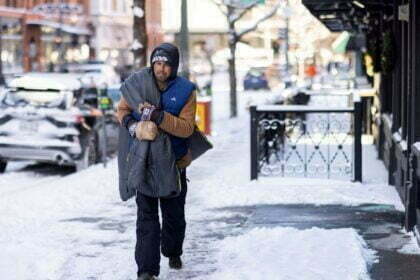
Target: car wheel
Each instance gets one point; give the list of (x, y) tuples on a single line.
[(3, 165), (90, 152)]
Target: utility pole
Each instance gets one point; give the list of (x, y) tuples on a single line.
[(184, 43), (2, 81), (287, 45), (60, 34), (139, 46), (287, 36)]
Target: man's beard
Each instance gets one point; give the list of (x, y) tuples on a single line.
[(161, 78)]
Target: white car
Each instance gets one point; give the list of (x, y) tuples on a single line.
[(98, 74), (50, 117)]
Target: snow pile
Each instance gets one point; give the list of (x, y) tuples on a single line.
[(296, 191), (74, 227), (412, 246), (288, 253)]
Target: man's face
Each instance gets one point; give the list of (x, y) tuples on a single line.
[(161, 70)]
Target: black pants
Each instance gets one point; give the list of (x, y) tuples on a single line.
[(150, 237)]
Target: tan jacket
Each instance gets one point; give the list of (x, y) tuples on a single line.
[(181, 126)]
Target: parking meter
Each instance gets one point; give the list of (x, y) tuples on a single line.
[(104, 104)]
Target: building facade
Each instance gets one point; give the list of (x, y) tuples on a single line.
[(112, 23), (393, 46), (38, 34)]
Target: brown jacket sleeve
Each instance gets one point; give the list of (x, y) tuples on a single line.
[(183, 125), (122, 109)]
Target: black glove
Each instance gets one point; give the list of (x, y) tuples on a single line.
[(157, 116), (151, 113), (128, 120)]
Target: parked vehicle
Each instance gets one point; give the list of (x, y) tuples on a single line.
[(94, 72), (54, 118), (114, 93), (255, 79)]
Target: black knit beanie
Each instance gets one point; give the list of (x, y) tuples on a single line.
[(169, 54)]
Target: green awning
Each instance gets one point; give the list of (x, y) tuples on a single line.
[(340, 44)]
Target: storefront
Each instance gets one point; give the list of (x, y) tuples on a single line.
[(393, 47), (38, 38), (12, 48), (113, 43), (59, 43)]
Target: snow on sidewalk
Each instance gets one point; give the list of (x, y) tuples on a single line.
[(221, 178), (288, 253), (76, 227)]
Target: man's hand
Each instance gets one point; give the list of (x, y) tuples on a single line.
[(151, 113), (143, 105), (146, 130)]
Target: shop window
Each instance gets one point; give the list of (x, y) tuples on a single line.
[(11, 3), (105, 6), (124, 6)]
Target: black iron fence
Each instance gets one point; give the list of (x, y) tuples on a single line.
[(306, 141)]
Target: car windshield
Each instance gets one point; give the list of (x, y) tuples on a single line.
[(41, 98), (255, 73)]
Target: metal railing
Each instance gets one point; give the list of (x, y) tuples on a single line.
[(306, 141)]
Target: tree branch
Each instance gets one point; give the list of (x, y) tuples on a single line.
[(244, 10), (255, 25), (220, 5)]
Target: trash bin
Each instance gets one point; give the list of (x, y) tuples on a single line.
[(203, 116)]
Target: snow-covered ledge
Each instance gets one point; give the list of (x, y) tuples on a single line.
[(403, 145), (387, 118), (416, 147), (396, 136), (416, 151)]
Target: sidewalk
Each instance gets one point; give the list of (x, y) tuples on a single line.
[(330, 207), (379, 225), (371, 210)]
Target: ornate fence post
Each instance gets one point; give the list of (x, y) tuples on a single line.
[(254, 143), (358, 141)]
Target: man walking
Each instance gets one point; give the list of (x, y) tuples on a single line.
[(172, 115)]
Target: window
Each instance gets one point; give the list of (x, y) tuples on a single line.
[(104, 6), (124, 6), (11, 3)]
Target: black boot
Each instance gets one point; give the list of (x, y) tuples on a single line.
[(146, 276), (175, 262)]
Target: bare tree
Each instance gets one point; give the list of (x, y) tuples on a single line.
[(234, 10), (139, 46)]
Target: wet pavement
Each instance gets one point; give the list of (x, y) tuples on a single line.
[(379, 225)]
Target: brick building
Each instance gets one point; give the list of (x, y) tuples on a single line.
[(112, 23), (40, 33)]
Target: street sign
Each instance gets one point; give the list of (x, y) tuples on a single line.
[(57, 8), (404, 12)]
